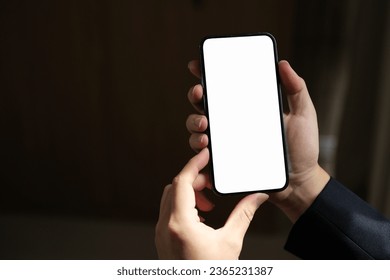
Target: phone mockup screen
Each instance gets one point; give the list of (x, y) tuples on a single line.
[(243, 106)]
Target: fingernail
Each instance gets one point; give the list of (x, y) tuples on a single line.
[(260, 198), (200, 138), (285, 61), (198, 122)]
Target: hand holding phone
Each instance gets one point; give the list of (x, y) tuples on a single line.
[(239, 77)]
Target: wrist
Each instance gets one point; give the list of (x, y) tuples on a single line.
[(303, 189)]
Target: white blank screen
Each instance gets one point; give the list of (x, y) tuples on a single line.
[(244, 114)]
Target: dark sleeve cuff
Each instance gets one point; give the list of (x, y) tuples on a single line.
[(340, 225)]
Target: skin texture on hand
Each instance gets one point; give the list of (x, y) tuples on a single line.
[(306, 177), (181, 233)]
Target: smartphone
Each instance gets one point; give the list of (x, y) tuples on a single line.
[(243, 104)]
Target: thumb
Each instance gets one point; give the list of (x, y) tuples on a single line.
[(242, 215), (295, 90)]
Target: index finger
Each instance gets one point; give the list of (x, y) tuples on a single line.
[(182, 185), (296, 91)]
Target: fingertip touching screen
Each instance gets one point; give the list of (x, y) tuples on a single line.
[(242, 101)]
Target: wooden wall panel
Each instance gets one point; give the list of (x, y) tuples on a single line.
[(93, 98)]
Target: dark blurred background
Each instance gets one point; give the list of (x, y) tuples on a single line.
[(93, 103)]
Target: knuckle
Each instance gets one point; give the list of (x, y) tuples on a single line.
[(302, 83), (174, 230), (176, 180), (247, 215)]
